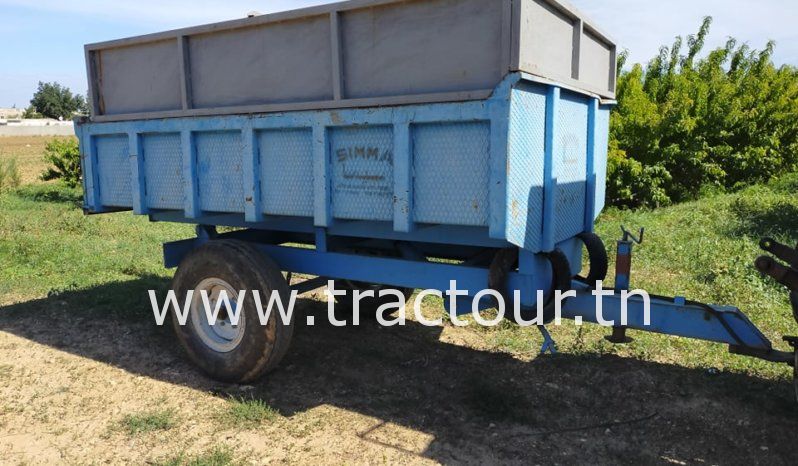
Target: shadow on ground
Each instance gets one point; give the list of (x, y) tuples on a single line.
[(478, 406)]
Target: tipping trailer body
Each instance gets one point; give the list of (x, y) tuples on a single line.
[(384, 134), (525, 167), (459, 122)]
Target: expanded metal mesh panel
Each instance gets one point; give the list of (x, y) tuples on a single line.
[(219, 171), (526, 157), (570, 167), (286, 171), (362, 179), (450, 167), (113, 167), (163, 169), (600, 154)]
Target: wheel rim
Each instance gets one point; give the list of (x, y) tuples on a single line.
[(223, 336)]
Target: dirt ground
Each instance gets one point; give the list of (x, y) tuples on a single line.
[(366, 395)]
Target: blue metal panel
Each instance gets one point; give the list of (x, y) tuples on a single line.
[(286, 171), (471, 173), (451, 172), (163, 168), (113, 167), (570, 155), (362, 167), (525, 166), (602, 136), (219, 165)]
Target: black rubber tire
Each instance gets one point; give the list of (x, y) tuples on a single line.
[(597, 258), (244, 267), (561, 281), (368, 305)]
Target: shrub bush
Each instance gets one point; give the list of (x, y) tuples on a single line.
[(63, 156), (682, 124)]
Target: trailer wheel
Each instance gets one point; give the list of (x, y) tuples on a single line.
[(597, 258), (226, 352)]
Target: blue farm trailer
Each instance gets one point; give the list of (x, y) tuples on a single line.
[(354, 142)]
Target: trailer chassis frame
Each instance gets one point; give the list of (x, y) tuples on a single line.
[(674, 316)]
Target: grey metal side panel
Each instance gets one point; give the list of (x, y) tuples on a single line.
[(359, 53), (594, 58), (139, 78), (275, 63), (422, 47), (546, 40), (553, 41)]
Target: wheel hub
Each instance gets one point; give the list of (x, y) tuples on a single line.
[(223, 335)]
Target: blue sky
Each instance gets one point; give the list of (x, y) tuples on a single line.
[(43, 39)]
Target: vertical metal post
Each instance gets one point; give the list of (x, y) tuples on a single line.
[(549, 174), (92, 175), (321, 239), (498, 163), (623, 273), (138, 182), (623, 267), (184, 63), (250, 155), (402, 177), (94, 83), (322, 196), (337, 56), (191, 205), (590, 176), (576, 55)]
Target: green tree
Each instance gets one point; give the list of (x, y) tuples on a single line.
[(683, 123), (53, 100)]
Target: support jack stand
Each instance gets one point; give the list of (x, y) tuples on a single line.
[(618, 336), (549, 345)]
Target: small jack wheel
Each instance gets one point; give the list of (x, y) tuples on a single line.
[(597, 258)]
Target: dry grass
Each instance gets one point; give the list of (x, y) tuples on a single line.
[(29, 153)]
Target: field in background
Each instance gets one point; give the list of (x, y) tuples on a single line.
[(28, 151), (87, 376)]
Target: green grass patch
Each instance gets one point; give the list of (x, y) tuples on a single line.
[(247, 413), (47, 245), (152, 421), (703, 250)]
